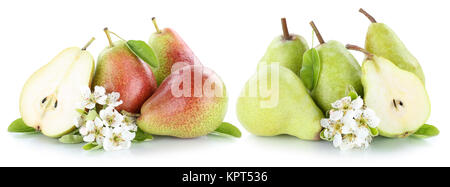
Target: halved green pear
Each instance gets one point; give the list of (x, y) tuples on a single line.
[(51, 95), (382, 41), (397, 96)]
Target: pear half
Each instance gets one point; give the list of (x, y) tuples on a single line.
[(51, 95), (397, 96)]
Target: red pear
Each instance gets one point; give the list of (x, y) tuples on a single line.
[(190, 102), (170, 49), (120, 70)]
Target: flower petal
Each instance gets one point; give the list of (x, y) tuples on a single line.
[(325, 123), (336, 115), (98, 122), (85, 92), (108, 145), (89, 138), (357, 103), (89, 105), (83, 131), (337, 141), (99, 91), (337, 104), (128, 136)]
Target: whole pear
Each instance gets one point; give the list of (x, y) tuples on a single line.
[(397, 96), (287, 50), (190, 102), (120, 70), (382, 41), (339, 69), (274, 101), (170, 49)]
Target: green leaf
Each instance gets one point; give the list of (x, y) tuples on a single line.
[(71, 139), (142, 136), (374, 131), (144, 52), (91, 115), (310, 68), (91, 146), (322, 136), (81, 111), (19, 126), (228, 130), (426, 131), (350, 91)]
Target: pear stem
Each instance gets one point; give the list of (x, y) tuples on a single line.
[(111, 32), (156, 25), (286, 35), (319, 36), (88, 44), (360, 49), (367, 15), (108, 36)]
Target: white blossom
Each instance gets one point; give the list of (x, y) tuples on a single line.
[(342, 103), (336, 115), (357, 103), (129, 122), (325, 123), (110, 129), (337, 140), (93, 131), (328, 134), (371, 118), (99, 95), (348, 143), (112, 99), (117, 139), (79, 121), (349, 123), (90, 99), (111, 117)]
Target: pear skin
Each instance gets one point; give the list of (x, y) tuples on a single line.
[(289, 53), (338, 70), (287, 50), (190, 102), (286, 109), (120, 70), (382, 41), (170, 49)]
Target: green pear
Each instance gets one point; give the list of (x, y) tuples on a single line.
[(51, 95), (274, 101), (338, 70), (397, 96), (287, 50), (382, 41)]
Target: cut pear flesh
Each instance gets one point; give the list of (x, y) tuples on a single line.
[(398, 97), (51, 95)]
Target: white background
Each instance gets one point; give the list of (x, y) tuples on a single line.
[(230, 37)]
